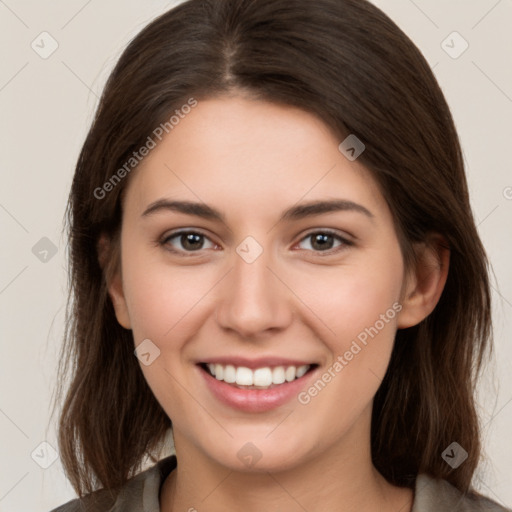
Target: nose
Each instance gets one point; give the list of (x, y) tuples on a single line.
[(254, 298)]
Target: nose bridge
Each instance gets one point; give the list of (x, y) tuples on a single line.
[(254, 299)]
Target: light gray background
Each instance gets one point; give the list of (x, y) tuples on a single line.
[(46, 109)]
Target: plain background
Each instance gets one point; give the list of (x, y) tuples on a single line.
[(46, 109)]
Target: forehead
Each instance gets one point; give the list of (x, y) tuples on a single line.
[(251, 155)]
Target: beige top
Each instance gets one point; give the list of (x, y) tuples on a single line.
[(141, 494)]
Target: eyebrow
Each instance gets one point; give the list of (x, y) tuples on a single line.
[(295, 212)]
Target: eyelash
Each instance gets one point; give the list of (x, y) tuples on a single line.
[(344, 242)]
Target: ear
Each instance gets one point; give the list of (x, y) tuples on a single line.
[(425, 282), (109, 258)]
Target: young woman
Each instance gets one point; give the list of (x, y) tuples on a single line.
[(273, 252)]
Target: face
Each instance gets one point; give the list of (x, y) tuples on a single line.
[(249, 290)]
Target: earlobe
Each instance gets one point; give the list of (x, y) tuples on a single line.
[(425, 283), (109, 260), (116, 293)]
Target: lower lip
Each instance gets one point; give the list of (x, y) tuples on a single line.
[(255, 400)]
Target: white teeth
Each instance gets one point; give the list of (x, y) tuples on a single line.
[(244, 376), (301, 370), (278, 375), (261, 377), (229, 374), (289, 374)]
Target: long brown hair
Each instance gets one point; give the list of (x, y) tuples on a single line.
[(348, 63)]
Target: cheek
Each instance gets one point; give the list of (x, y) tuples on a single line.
[(164, 303), (359, 304), (350, 299), (362, 313), (162, 299)]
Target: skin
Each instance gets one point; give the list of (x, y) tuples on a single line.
[(251, 160)]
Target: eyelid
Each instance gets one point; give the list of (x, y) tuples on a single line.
[(163, 240), (343, 235), (346, 241)]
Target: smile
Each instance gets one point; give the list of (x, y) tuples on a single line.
[(258, 389), (259, 378)]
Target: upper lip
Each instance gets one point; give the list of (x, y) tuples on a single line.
[(260, 362)]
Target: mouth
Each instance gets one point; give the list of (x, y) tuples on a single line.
[(263, 378)]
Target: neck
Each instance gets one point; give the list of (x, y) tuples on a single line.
[(342, 478)]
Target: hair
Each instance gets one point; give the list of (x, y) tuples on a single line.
[(346, 62)]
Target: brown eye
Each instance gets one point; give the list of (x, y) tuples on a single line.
[(323, 241), (186, 241)]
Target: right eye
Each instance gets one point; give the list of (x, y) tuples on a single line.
[(190, 241)]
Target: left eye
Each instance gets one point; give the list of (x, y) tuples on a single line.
[(322, 241)]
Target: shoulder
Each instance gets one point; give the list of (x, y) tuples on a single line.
[(140, 492), (97, 501), (437, 495)]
